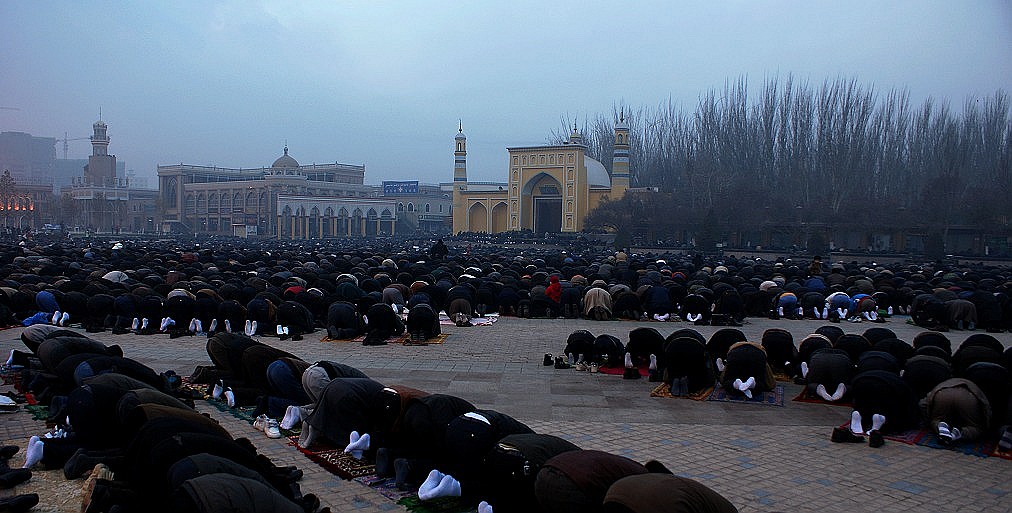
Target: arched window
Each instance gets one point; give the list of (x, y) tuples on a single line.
[(426, 208), (411, 207)]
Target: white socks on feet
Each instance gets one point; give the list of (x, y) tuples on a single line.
[(293, 415), (877, 421), (136, 324), (214, 325), (358, 444), (229, 397), (438, 485), (855, 423), (841, 389), (253, 329), (228, 326), (248, 330), (720, 364), (33, 454), (484, 507), (628, 361), (804, 369), (192, 328), (653, 362), (217, 390), (64, 319), (821, 392)]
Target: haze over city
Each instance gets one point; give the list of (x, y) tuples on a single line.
[(229, 83)]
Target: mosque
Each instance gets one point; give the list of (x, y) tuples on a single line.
[(550, 189)]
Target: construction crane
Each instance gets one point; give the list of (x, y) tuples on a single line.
[(66, 139)]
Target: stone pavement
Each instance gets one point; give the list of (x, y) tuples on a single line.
[(762, 458)]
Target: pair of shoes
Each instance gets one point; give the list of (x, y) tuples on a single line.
[(269, 426), (549, 360), (594, 367), (19, 503), (561, 363), (875, 439), (843, 435), (581, 366)]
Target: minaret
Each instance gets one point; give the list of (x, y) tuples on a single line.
[(459, 178), (101, 168), (620, 160), (576, 137)]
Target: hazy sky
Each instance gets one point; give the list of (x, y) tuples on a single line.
[(383, 84)]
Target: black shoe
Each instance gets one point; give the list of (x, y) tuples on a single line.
[(402, 468), (8, 451), (875, 440), (656, 376), (14, 477), (548, 360), (843, 435), (80, 464), (561, 363), (19, 503)]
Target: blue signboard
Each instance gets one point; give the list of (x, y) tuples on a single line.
[(394, 188)]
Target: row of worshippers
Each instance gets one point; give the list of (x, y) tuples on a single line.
[(282, 291), (894, 385), (439, 445), (139, 441)]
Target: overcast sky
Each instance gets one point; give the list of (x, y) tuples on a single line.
[(226, 83)]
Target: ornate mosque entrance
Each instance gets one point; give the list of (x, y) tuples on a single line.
[(546, 195)]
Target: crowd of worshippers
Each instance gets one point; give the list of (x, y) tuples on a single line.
[(144, 447), (894, 385), (290, 290)]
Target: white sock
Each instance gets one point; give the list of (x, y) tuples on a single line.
[(889, 310), (867, 315), (747, 392), (955, 434), (657, 317), (10, 359), (64, 319), (720, 365), (286, 330), (874, 315), (628, 361), (135, 324), (56, 318), (572, 359), (144, 323), (200, 327), (804, 369), (815, 311), (821, 392), (943, 430), (281, 331), (253, 329), (448, 487), (33, 454), (214, 325), (247, 329), (855, 423), (877, 421), (308, 435), (780, 311), (358, 445), (228, 325), (293, 415), (229, 398), (193, 325), (841, 389), (653, 362), (217, 390), (842, 313), (738, 385), (749, 383), (484, 507), (429, 485), (694, 317)]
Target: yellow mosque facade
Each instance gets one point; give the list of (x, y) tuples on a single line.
[(550, 188)]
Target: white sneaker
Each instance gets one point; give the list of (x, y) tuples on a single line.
[(272, 430), (260, 423)]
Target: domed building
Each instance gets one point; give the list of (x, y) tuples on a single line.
[(550, 188), (287, 200)]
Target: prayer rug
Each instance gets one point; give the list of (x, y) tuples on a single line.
[(340, 463), (386, 486), (924, 438), (404, 339), (440, 505), (620, 370), (488, 320), (11, 375), (38, 411), (803, 397), (664, 390), (773, 398)]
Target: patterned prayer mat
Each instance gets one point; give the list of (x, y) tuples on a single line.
[(773, 398), (620, 370), (440, 505), (386, 486), (664, 390), (924, 438), (803, 397)]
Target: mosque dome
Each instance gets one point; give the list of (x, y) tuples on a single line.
[(597, 175), (285, 161)]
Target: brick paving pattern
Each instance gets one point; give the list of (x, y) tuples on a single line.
[(761, 458)]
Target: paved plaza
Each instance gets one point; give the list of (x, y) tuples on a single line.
[(762, 458)]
